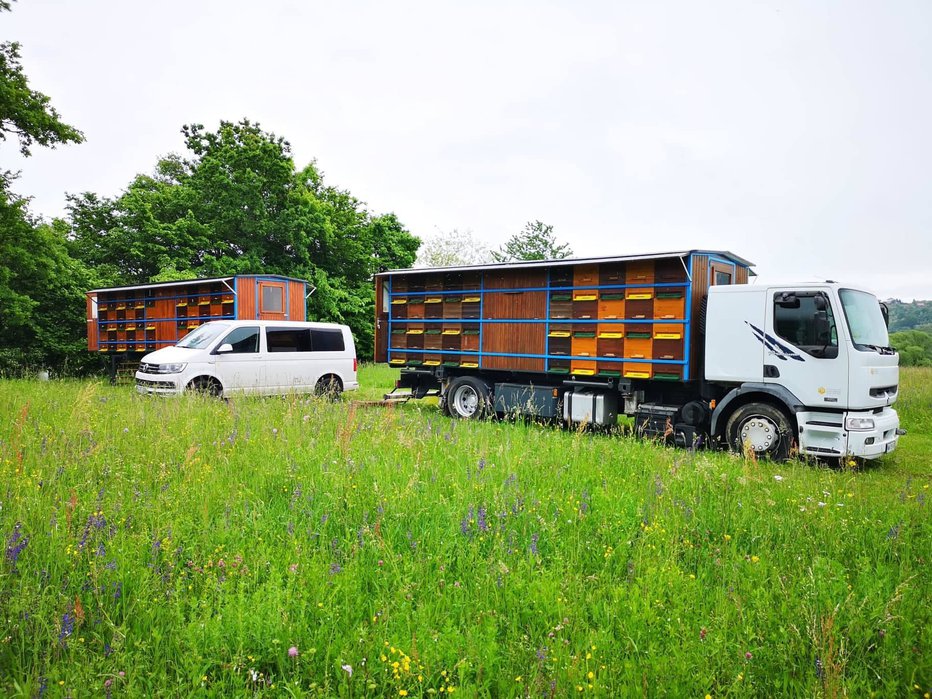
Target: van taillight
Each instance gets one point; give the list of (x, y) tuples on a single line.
[(355, 363)]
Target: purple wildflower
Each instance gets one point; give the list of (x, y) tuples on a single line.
[(15, 544), (67, 627), (535, 537), (293, 652), (481, 520), (335, 568)]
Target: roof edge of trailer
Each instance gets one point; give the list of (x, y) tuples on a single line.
[(531, 264), (195, 280)]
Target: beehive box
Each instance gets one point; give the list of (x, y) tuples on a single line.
[(606, 317)]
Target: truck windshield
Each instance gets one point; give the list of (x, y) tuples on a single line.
[(202, 336), (865, 320)]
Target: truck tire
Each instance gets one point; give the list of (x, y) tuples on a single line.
[(206, 386), (328, 387), (467, 398), (760, 429)]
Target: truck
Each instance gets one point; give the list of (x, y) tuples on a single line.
[(681, 342)]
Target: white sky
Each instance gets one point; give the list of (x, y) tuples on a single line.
[(795, 134)]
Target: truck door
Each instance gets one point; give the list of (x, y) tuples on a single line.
[(801, 347)]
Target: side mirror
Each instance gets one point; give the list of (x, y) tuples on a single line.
[(885, 312), (820, 302), (225, 348)]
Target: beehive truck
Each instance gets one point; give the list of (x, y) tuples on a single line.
[(679, 341)]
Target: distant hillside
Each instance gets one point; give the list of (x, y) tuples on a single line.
[(909, 316)]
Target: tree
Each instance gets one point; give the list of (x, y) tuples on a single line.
[(41, 285), (237, 205), (535, 242), (41, 290), (452, 249), (24, 112)]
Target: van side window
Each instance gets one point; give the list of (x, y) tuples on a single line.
[(288, 339), (807, 322), (327, 340), (244, 340)]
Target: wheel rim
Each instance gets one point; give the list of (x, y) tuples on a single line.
[(466, 401), (760, 433)]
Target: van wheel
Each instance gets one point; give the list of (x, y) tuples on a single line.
[(329, 387), (760, 429), (467, 398), (206, 386)]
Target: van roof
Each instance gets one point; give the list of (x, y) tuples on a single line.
[(276, 323)]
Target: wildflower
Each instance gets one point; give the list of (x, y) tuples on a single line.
[(15, 545), (348, 669), (755, 559), (67, 627), (702, 633), (481, 521), (778, 478), (535, 537), (293, 652), (748, 655)]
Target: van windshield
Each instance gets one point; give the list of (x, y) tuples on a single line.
[(202, 336)]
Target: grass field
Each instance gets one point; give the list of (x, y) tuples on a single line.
[(291, 547)]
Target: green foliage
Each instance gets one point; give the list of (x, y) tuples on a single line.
[(24, 112), (182, 547), (536, 241), (237, 205), (41, 291), (914, 346), (909, 315)]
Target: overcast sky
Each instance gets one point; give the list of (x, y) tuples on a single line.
[(795, 134)]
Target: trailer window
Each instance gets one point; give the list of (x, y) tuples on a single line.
[(806, 321), (272, 298)]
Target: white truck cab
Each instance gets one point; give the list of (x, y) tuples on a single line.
[(817, 352), (254, 357)]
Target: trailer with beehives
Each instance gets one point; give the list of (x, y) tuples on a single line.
[(126, 322), (680, 341)]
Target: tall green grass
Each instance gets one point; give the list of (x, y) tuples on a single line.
[(294, 547)]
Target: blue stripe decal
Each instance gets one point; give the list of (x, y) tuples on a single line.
[(778, 348)]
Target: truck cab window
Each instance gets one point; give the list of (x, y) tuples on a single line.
[(806, 321)]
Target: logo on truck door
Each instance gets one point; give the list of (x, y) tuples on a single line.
[(774, 345)]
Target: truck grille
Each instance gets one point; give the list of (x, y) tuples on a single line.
[(142, 383)]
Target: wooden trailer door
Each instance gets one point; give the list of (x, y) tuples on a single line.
[(272, 300), (382, 304)]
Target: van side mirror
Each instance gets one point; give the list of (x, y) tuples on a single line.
[(885, 312), (225, 348)]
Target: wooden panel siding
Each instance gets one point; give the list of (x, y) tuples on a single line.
[(514, 338), (520, 305), (623, 316), (247, 306)]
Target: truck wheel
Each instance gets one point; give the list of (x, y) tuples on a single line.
[(206, 386), (467, 398), (328, 387), (760, 429)]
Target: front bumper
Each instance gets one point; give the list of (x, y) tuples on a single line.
[(824, 434), (163, 384)]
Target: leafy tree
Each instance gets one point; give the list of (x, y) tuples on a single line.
[(24, 112), (914, 347), (452, 249), (237, 205), (41, 285), (41, 291), (535, 242)]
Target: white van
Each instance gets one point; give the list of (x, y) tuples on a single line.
[(261, 357)]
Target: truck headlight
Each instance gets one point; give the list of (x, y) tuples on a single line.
[(171, 368), (856, 424)]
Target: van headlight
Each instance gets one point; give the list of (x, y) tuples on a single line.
[(176, 368), (857, 424)]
